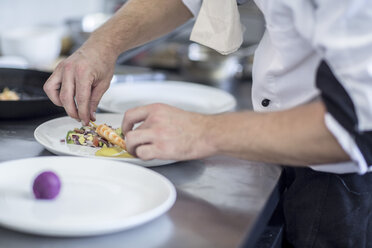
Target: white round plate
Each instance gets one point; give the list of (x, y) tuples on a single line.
[(96, 197), (50, 133), (188, 96)]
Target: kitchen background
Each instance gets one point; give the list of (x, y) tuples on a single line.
[(16, 13), (175, 57)]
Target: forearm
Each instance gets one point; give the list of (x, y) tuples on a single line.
[(292, 137), (138, 22)]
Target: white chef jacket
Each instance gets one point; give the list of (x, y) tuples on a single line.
[(299, 35)]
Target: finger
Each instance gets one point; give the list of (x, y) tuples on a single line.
[(95, 98), (136, 138), (83, 88), (52, 87), (146, 152), (67, 93), (132, 117), (141, 125)]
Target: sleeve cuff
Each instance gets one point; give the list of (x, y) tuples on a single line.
[(347, 143), (193, 5)]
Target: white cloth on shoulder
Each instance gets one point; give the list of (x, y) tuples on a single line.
[(218, 26)]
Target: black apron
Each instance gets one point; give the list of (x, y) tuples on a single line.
[(327, 210)]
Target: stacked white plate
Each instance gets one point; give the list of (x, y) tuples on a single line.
[(185, 95)]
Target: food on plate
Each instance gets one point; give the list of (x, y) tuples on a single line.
[(46, 185), (110, 140), (111, 135), (115, 151), (9, 95), (90, 136)]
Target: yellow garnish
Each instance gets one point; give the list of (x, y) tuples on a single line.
[(115, 151), (94, 124)]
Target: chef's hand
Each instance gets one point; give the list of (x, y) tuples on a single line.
[(166, 133), (79, 81)]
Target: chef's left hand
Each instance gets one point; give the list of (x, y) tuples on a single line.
[(166, 132)]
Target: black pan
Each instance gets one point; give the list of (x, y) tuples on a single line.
[(29, 85)]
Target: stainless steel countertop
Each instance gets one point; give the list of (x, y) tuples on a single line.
[(220, 200)]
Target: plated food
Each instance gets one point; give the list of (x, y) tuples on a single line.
[(89, 136), (9, 95), (97, 196), (46, 185), (50, 133), (110, 140)]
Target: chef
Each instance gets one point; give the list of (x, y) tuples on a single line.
[(312, 96)]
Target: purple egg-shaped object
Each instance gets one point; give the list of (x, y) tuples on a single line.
[(46, 185)]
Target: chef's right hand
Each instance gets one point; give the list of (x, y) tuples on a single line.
[(78, 82)]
